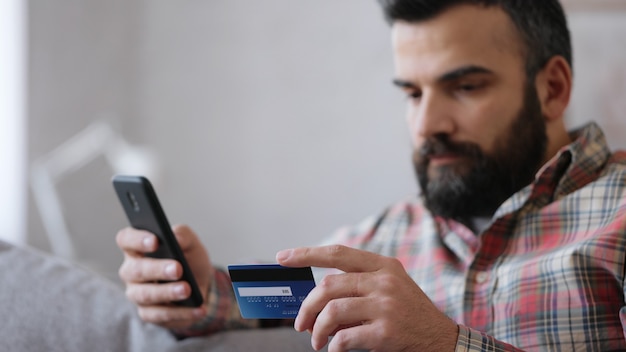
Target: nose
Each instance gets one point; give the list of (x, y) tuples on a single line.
[(431, 115)]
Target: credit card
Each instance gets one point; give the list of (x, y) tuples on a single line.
[(270, 291)]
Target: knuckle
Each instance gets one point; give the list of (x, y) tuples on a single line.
[(355, 290), (387, 282), (181, 228), (134, 294), (333, 309), (130, 271), (134, 270), (151, 315), (121, 239), (184, 235), (326, 282), (143, 296), (144, 314), (336, 250), (121, 272), (118, 238), (395, 263), (155, 315), (341, 340), (387, 306), (335, 253), (385, 331), (302, 251), (129, 294)]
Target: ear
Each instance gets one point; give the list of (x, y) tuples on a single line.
[(554, 87)]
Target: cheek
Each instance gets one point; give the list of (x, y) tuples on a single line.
[(487, 124), (416, 140), (414, 127)]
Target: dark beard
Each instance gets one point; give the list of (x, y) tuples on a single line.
[(478, 183)]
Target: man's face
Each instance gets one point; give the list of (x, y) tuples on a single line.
[(475, 120)]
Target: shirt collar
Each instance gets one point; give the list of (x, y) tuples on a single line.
[(571, 168), (575, 165)]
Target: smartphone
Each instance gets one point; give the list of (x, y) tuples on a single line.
[(144, 212)]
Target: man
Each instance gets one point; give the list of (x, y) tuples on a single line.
[(519, 237)]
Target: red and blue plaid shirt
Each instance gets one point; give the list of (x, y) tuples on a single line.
[(546, 274)]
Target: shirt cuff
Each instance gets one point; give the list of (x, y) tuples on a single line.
[(222, 310), (470, 340)]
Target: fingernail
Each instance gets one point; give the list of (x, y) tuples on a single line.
[(296, 325), (170, 271), (148, 243), (283, 255), (179, 291)]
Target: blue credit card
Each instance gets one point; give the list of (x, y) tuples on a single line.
[(270, 291)]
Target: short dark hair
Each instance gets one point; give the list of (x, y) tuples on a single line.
[(541, 23)]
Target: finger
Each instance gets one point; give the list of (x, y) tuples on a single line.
[(360, 337), (331, 287), (172, 317), (144, 269), (133, 241), (153, 294), (337, 315), (187, 239), (334, 256)]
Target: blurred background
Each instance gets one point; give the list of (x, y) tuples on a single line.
[(262, 124)]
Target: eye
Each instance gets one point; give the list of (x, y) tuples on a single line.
[(413, 94), (469, 87)]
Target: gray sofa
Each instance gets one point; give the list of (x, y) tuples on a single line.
[(48, 304)]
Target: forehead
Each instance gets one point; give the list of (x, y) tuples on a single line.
[(464, 35)]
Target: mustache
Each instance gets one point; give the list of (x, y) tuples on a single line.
[(441, 145)]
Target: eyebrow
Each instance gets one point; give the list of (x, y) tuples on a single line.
[(448, 76)]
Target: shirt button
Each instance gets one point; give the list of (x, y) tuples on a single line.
[(482, 277)]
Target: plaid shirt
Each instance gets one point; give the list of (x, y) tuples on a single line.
[(548, 271)]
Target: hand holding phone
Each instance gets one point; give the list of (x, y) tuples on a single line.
[(144, 212)]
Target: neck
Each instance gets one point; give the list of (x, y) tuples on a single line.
[(558, 137)]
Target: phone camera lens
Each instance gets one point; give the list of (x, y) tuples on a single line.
[(133, 201)]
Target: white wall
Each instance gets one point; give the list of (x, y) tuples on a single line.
[(276, 120), (12, 121), (599, 72), (81, 70)]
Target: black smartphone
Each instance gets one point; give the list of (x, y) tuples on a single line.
[(144, 212)]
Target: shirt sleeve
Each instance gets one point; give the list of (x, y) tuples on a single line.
[(622, 311), (470, 340), (222, 311)]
